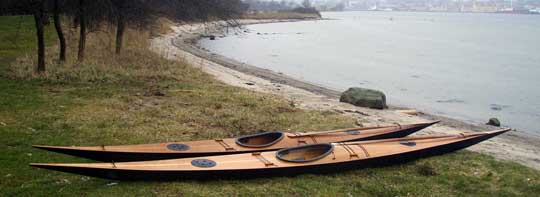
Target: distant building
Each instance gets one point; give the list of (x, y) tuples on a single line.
[(489, 6)]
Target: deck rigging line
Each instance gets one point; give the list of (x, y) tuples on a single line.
[(224, 144), (349, 149), (262, 159)]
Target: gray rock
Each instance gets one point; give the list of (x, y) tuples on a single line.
[(494, 122), (364, 98)]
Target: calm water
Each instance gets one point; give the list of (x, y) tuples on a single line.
[(465, 66)]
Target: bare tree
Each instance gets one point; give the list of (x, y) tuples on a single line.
[(125, 12), (120, 23), (38, 9), (82, 31), (91, 14), (39, 19), (59, 32)]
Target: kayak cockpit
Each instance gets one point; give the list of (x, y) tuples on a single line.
[(305, 153), (260, 140)]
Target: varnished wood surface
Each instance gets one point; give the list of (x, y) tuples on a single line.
[(342, 152), (229, 144)]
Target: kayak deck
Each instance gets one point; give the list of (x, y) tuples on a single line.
[(251, 143), (342, 156)]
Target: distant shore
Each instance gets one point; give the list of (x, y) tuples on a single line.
[(516, 146)]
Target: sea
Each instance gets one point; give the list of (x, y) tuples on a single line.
[(467, 66)]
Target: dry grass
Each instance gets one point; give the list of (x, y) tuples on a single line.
[(189, 113), (101, 64)]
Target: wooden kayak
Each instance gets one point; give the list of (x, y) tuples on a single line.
[(250, 143), (313, 158)]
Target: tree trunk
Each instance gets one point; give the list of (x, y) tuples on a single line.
[(58, 27), (82, 35), (120, 27), (38, 18)]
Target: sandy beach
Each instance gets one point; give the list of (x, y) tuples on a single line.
[(515, 146)]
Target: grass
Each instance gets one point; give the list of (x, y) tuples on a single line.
[(19, 36), (108, 100)]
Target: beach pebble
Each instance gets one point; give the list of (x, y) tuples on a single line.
[(494, 122), (359, 123)]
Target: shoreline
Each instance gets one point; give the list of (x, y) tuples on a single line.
[(516, 146)]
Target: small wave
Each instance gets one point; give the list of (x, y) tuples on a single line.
[(454, 100), (497, 107)]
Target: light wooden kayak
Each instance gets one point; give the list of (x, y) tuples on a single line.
[(313, 158), (251, 143)]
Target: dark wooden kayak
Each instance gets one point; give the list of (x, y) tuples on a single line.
[(251, 143), (312, 158)]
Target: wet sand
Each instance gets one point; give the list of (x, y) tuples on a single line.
[(181, 45)]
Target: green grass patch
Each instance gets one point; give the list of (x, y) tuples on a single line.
[(87, 105), (18, 36)]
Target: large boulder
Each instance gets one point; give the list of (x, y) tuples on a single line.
[(494, 122), (364, 98)]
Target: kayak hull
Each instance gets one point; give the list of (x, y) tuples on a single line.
[(134, 175), (127, 155)]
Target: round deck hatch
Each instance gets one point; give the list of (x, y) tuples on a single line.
[(178, 147), (203, 163)]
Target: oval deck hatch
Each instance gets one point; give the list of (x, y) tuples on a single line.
[(260, 140), (305, 153)]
